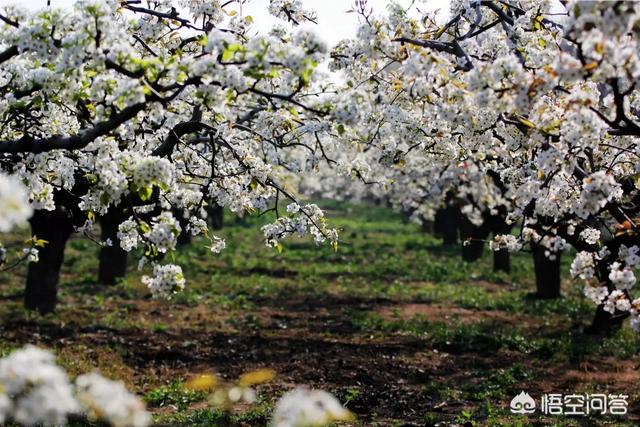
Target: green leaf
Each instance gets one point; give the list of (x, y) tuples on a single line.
[(40, 243), (253, 184), (145, 192), (528, 123), (228, 52), (230, 96), (144, 227), (306, 75), (227, 55)]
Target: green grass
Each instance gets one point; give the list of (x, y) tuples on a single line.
[(174, 395)]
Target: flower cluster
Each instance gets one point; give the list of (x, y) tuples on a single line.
[(153, 171), (128, 235), (291, 10), (599, 189), (167, 280), (217, 245), (163, 233), (590, 235), (35, 391), (505, 241), (307, 219), (583, 265), (622, 278)]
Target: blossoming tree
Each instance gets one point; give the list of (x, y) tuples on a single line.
[(130, 111), (510, 107)]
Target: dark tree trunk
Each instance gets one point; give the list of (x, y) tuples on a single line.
[(426, 226), (473, 238), (547, 274), (446, 225), (113, 259), (185, 236), (502, 261), (216, 214), (604, 323), (501, 258), (55, 227)]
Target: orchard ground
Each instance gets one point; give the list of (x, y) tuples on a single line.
[(397, 326)]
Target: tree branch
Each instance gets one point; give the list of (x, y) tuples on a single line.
[(29, 144)]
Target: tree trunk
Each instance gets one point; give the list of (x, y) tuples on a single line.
[(426, 226), (501, 258), (55, 227), (547, 274), (473, 238), (446, 225), (113, 259), (185, 236), (216, 213), (502, 261), (604, 323)]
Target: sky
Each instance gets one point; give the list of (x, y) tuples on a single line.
[(334, 23)]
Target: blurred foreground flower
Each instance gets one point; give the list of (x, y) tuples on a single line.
[(110, 400), (35, 391), (14, 203), (308, 408), (225, 394)]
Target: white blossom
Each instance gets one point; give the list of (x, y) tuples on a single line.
[(167, 280), (110, 401), (505, 241), (622, 278), (34, 389), (617, 301), (590, 235), (14, 203), (307, 408)]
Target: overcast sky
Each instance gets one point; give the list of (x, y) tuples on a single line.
[(334, 23)]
